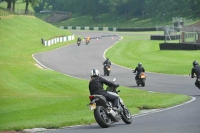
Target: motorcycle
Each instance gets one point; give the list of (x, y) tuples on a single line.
[(107, 69), (141, 79), (79, 42), (103, 112), (197, 82), (87, 42)]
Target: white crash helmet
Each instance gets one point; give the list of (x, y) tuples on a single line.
[(94, 72)]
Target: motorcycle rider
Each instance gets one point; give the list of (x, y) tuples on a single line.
[(96, 88), (139, 69), (195, 72), (79, 39), (88, 39), (106, 63)]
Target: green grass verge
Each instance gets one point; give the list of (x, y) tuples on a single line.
[(33, 97)]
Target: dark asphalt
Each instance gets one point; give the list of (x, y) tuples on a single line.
[(77, 61)]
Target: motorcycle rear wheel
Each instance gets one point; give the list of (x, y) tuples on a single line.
[(126, 116), (102, 117), (108, 73), (143, 82), (138, 83)]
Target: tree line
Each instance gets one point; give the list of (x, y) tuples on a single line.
[(127, 8), (11, 4)]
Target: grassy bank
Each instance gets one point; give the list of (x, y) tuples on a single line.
[(34, 97)]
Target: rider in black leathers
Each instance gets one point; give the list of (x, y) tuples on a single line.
[(106, 63), (96, 87), (79, 39), (139, 69), (196, 72)]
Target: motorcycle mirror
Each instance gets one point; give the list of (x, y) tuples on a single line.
[(118, 91), (114, 79)]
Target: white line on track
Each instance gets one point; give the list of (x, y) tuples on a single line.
[(160, 110)]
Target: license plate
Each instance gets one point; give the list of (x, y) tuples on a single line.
[(93, 106), (109, 69)]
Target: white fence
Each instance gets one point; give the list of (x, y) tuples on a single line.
[(57, 40)]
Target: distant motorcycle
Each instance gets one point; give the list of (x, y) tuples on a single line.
[(103, 112), (79, 42), (141, 79), (107, 69), (87, 42), (197, 82)]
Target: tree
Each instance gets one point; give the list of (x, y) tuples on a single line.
[(9, 4), (13, 4), (33, 3), (112, 6)]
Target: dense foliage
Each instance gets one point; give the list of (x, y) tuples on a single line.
[(128, 8)]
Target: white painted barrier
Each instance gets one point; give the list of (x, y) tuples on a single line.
[(87, 28), (78, 28), (61, 27), (96, 28), (58, 39), (105, 28)]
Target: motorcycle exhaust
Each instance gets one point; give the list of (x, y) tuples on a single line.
[(113, 115)]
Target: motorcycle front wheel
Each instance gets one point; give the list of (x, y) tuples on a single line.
[(102, 117), (126, 116)]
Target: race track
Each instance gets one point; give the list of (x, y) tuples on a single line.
[(78, 61)]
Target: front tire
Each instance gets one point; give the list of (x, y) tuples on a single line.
[(126, 116), (102, 117)]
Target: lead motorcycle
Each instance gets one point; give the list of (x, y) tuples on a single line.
[(103, 112)]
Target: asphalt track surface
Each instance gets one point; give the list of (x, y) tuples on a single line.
[(77, 61)]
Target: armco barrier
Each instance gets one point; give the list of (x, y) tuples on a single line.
[(88, 28), (106, 28), (57, 39), (163, 37), (136, 29), (179, 46)]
